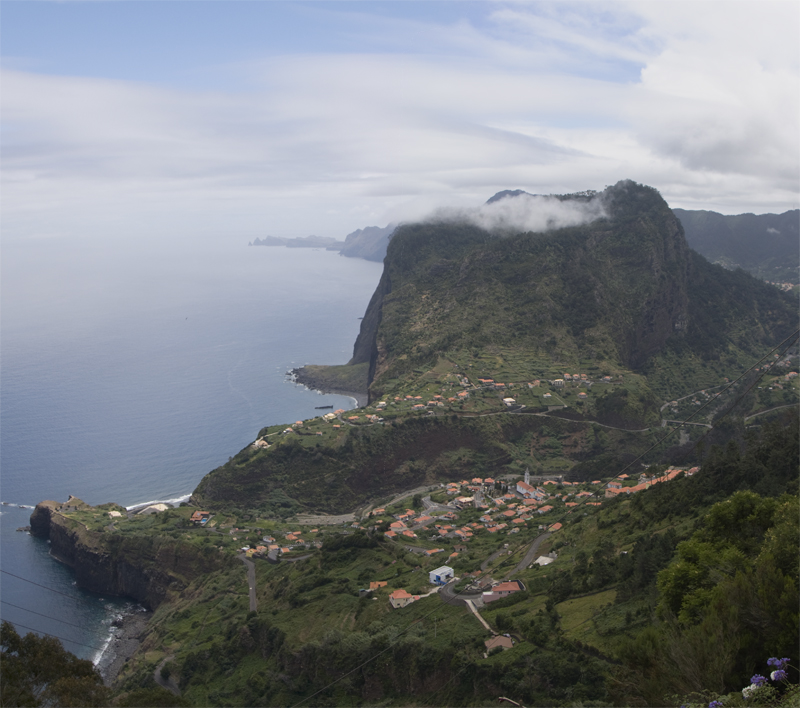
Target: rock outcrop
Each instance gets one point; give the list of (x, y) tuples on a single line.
[(147, 568)]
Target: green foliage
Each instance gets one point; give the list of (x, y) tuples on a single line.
[(765, 245), (39, 671), (154, 697), (733, 600)]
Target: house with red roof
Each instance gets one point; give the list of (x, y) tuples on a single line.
[(400, 598), (503, 590)]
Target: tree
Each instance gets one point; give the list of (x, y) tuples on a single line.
[(39, 671), (153, 697)]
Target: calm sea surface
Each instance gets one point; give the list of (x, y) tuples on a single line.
[(128, 372)]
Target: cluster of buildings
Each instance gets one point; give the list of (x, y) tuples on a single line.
[(293, 541), (618, 486), (402, 598), (506, 513)]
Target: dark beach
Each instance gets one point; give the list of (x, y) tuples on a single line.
[(124, 643)]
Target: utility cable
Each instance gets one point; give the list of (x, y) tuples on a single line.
[(710, 401), (739, 400), (55, 636), (393, 643), (384, 650), (730, 410), (25, 609), (75, 599)]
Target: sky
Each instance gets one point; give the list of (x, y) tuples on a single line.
[(237, 119)]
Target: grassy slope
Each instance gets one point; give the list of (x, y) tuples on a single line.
[(623, 297), (501, 322), (580, 615)]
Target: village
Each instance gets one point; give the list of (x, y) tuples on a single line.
[(463, 534)]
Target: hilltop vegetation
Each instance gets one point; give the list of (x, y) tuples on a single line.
[(569, 354), (622, 303), (684, 587), (765, 245)]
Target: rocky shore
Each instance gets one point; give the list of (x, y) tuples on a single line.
[(125, 641), (325, 379)]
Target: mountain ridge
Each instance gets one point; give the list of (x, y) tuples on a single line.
[(622, 299)]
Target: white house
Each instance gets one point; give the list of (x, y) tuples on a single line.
[(442, 575)]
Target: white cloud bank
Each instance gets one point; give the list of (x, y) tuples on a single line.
[(698, 100), (526, 212)]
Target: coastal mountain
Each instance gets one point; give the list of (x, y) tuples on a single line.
[(523, 386), (621, 302), (368, 243), (622, 290), (330, 244), (765, 245)]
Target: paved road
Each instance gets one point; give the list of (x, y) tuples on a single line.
[(169, 683), (295, 560), (664, 422), (251, 580), (493, 557), (448, 595), (475, 612), (790, 405), (433, 506), (411, 493), (530, 555), (324, 519)]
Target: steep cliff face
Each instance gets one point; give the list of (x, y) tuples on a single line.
[(615, 288), (147, 568), (365, 349), (622, 295), (368, 243)]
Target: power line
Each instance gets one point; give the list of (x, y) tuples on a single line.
[(55, 636), (733, 406), (678, 427), (58, 592), (739, 400), (710, 401), (382, 651), (25, 609)]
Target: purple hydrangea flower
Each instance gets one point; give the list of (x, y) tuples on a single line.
[(715, 704), (778, 675), (758, 680), (777, 663)]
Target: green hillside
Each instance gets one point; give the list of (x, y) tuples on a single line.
[(678, 593), (620, 310), (657, 562), (765, 245)]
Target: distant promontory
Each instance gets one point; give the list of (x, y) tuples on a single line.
[(368, 243)]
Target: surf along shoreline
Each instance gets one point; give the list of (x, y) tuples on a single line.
[(329, 379)]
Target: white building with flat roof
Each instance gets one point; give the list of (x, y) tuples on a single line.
[(441, 576)]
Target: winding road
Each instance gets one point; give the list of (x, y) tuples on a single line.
[(251, 580), (530, 555)]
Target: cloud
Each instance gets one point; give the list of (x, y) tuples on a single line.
[(697, 100), (525, 212)]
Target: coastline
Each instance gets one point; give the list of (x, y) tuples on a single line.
[(315, 383), (122, 644)]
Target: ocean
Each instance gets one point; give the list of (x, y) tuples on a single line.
[(130, 370)]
